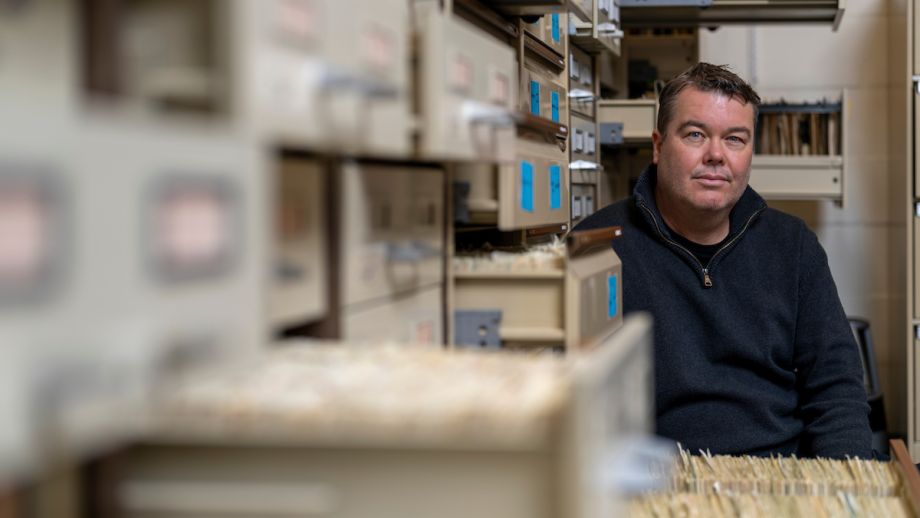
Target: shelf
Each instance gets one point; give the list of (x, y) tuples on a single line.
[(798, 177), (531, 334), (511, 275), (735, 12)]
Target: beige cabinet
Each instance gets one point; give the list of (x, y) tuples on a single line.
[(310, 84), (391, 231), (601, 32), (467, 90), (582, 82)]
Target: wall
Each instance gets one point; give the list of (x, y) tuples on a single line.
[(864, 239)]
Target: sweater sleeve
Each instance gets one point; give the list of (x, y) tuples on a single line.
[(832, 398)]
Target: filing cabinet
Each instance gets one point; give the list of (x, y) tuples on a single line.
[(299, 290), (467, 90), (316, 86), (636, 117), (535, 190), (551, 29), (392, 230), (797, 177), (543, 92), (582, 81), (573, 304)]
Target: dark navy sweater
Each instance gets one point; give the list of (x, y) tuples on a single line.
[(761, 362)]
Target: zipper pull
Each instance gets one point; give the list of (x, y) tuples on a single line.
[(706, 280)]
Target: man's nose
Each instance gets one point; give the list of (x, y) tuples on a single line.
[(714, 153)]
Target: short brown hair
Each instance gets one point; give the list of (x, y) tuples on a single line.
[(705, 77)]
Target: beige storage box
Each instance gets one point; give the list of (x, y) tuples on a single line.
[(563, 296), (584, 202)]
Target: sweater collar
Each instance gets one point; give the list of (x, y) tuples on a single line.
[(749, 205)]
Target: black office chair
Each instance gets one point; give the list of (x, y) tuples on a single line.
[(877, 419)]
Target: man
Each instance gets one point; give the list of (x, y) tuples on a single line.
[(753, 351)]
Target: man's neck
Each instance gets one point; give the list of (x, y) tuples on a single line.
[(701, 227)]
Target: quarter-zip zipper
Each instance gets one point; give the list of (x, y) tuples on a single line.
[(707, 280)]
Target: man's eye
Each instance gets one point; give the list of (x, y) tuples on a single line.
[(694, 135), (736, 140)]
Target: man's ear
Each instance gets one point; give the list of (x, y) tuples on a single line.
[(657, 138)]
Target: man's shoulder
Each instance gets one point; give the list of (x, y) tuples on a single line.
[(783, 223), (615, 214)]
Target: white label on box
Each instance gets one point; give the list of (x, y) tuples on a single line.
[(297, 20), (589, 205), (24, 234), (578, 142), (590, 143), (576, 207)]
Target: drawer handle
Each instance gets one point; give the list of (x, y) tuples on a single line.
[(333, 79), (581, 95), (476, 112)]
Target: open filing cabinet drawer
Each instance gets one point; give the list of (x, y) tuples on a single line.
[(298, 290), (626, 120), (392, 230), (316, 86), (797, 177), (467, 90), (551, 29), (572, 300), (543, 92), (386, 431), (535, 190)]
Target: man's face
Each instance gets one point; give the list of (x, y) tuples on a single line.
[(704, 159)]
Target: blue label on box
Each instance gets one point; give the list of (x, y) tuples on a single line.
[(556, 35), (555, 187), (526, 186), (554, 99), (535, 98), (611, 296)]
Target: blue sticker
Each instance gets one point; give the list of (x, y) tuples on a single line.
[(535, 98), (556, 35), (527, 186), (555, 187), (554, 99), (611, 296)]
